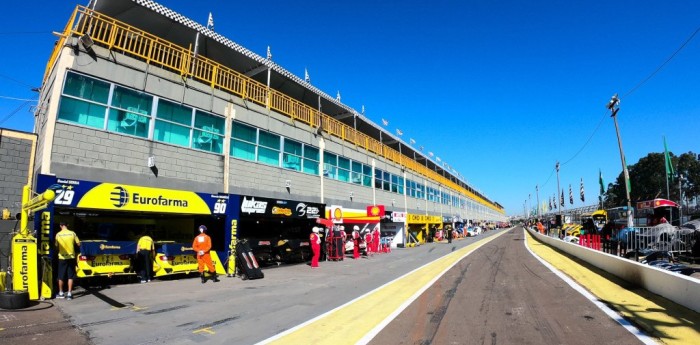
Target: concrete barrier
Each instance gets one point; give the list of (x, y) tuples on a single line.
[(676, 287)]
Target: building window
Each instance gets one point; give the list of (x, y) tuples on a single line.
[(394, 183), (330, 165), (130, 112), (173, 123), (84, 101), (291, 159), (367, 175), (243, 141), (269, 148), (311, 157), (343, 169), (208, 132)]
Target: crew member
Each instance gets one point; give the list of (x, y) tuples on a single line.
[(449, 234), (65, 241), (145, 252), (202, 246), (376, 237), (368, 242), (315, 240), (356, 242)]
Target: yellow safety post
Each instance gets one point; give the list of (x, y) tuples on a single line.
[(231, 267), (24, 246)]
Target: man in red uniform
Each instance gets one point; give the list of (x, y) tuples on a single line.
[(202, 246), (356, 242), (376, 238), (368, 242), (315, 240)]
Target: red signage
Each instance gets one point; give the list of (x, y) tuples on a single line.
[(375, 211)]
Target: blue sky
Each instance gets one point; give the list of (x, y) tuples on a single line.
[(500, 90)]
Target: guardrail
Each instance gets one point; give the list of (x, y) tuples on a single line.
[(665, 237), (676, 287), (113, 34)]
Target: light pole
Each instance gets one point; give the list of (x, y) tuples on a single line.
[(557, 197), (680, 199), (537, 192), (614, 106)]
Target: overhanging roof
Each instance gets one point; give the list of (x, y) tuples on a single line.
[(171, 26)]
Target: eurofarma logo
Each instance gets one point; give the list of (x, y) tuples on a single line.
[(119, 197)]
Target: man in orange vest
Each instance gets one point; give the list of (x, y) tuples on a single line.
[(202, 246)]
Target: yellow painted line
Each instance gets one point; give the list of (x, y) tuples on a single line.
[(671, 323), (204, 330), (135, 308), (351, 323)]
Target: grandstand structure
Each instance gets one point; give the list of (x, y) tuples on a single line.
[(136, 94)]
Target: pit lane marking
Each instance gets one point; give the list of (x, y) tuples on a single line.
[(205, 330)]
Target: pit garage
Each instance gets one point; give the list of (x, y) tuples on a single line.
[(109, 219)]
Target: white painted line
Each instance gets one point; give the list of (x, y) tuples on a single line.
[(602, 306), (372, 333)]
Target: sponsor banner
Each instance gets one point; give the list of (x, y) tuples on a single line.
[(423, 219), (252, 206), (398, 217), (341, 215), (123, 197), (375, 211)]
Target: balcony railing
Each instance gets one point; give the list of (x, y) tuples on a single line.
[(116, 35)]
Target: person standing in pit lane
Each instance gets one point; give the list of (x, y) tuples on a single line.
[(145, 252), (315, 240), (368, 242), (202, 246), (356, 242), (65, 243)]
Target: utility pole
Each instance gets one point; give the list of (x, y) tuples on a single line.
[(614, 106), (557, 197), (537, 192)]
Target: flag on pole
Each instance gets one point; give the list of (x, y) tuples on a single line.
[(430, 153), (602, 184), (583, 198), (306, 76), (399, 132), (210, 22), (269, 53), (669, 164), (561, 200), (412, 141), (571, 195), (385, 122), (337, 96)]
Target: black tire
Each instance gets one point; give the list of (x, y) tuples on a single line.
[(244, 276), (14, 299)]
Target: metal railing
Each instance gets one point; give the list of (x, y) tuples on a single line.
[(116, 35), (662, 238)]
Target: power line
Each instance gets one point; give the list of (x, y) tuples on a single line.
[(18, 99), (8, 116), (632, 90), (663, 64), (16, 81)]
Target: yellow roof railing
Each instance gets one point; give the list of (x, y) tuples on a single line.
[(116, 35)]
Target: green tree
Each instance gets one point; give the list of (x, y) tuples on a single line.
[(648, 179)]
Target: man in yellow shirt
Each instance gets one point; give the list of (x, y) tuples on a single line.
[(65, 244), (145, 252)]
